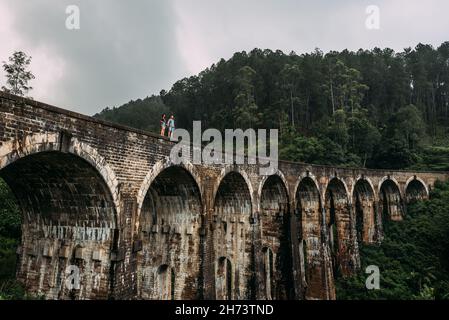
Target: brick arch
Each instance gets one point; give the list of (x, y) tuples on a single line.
[(309, 186), (341, 231), (364, 201), (274, 222), (69, 213), (419, 183), (168, 226), (157, 168), (387, 178), (16, 149), (334, 179), (309, 227), (236, 175), (282, 178), (301, 178), (231, 229), (368, 181), (233, 169), (391, 199)]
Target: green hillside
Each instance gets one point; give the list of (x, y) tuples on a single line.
[(413, 259), (375, 108)]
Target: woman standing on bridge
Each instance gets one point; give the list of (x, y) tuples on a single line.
[(163, 125)]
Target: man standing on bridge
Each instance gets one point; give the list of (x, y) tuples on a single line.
[(171, 126)]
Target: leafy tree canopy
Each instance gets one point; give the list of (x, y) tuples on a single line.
[(17, 74)]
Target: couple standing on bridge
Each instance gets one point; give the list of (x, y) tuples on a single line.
[(170, 123)]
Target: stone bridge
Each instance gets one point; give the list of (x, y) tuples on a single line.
[(103, 201)]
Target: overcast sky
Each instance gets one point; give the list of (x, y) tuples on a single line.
[(131, 49)]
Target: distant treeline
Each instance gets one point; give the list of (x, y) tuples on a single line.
[(376, 108)]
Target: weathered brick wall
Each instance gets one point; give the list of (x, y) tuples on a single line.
[(107, 199), (169, 226), (365, 208), (233, 237), (68, 215), (275, 254)]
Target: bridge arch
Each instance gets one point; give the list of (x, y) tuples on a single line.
[(234, 169), (69, 199), (16, 149), (389, 179), (157, 168), (340, 228), (280, 177), (337, 184), (231, 229), (364, 204), (370, 185), (415, 189), (309, 225), (274, 219), (390, 200), (302, 178), (168, 226)]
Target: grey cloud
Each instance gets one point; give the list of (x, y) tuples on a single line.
[(123, 50)]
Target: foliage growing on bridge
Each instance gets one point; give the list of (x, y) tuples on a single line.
[(413, 257)]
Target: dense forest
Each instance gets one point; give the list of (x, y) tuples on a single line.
[(10, 231), (371, 108), (413, 259)]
